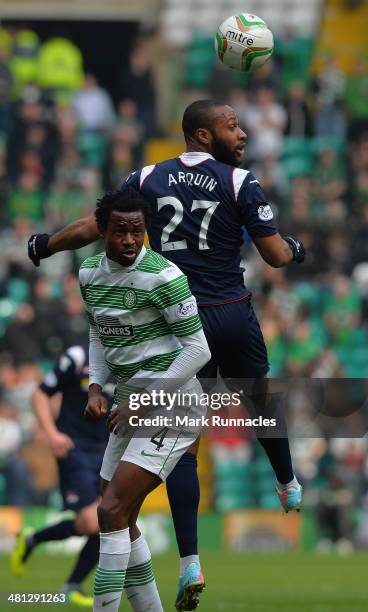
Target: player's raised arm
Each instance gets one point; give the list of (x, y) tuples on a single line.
[(74, 236)]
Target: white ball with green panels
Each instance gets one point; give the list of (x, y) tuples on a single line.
[(244, 42)]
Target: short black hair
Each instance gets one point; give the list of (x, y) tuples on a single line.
[(126, 199), (197, 115)]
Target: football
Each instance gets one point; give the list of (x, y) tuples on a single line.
[(244, 42)]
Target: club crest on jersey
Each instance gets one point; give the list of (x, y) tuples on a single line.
[(110, 327), (265, 212), (187, 310), (130, 298)]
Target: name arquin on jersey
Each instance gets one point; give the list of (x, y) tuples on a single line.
[(191, 178)]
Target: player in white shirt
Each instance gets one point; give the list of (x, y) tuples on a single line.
[(145, 329)]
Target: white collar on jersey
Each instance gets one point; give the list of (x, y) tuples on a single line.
[(114, 266), (192, 158)]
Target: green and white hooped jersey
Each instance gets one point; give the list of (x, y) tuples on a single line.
[(139, 312)]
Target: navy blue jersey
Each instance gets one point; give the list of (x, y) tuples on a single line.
[(70, 376), (199, 207)]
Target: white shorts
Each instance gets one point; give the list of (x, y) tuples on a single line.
[(157, 449)]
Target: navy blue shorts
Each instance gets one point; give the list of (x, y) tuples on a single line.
[(79, 478), (235, 340)]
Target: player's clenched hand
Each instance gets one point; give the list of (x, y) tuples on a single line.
[(97, 404), (37, 248), (118, 418), (60, 444), (297, 248)]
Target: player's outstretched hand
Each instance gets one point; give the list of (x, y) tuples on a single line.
[(37, 248), (60, 444), (297, 248), (96, 408)]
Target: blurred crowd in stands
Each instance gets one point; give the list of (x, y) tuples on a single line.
[(63, 142)]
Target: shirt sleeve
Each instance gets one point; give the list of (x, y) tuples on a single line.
[(98, 369), (173, 298), (256, 213), (82, 282), (133, 180), (65, 371)]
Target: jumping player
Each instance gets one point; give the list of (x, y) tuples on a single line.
[(200, 203)]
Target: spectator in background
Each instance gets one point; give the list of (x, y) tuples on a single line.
[(13, 262), (93, 107), (342, 311), (138, 85), (26, 198), (221, 81), (128, 122), (6, 86), (66, 122), (129, 129), (50, 320), (58, 203), (20, 340), (68, 166), (304, 347), (87, 190), (299, 119), (41, 139), (293, 54), (238, 99), (276, 346), (329, 182), (6, 39), (267, 76), (329, 85), (33, 129), (265, 120), (360, 235), (13, 468), (24, 59), (60, 67), (356, 96), (300, 201), (338, 252), (272, 177), (119, 164)]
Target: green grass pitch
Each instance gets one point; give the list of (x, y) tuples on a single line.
[(295, 582)]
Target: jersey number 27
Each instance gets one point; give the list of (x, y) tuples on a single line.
[(208, 206)]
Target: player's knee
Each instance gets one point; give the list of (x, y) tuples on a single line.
[(86, 522), (112, 514)]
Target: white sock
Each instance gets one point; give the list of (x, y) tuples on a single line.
[(140, 584), (185, 561), (282, 487), (110, 573)]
